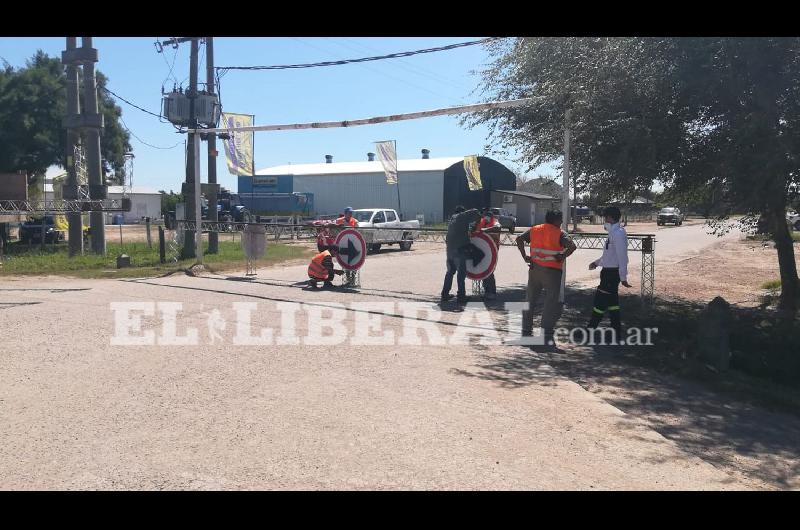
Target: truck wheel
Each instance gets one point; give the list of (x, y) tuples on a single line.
[(405, 245), (375, 248)]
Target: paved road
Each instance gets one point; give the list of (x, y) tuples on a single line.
[(79, 412)]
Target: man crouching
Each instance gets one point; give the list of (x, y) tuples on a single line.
[(321, 269)]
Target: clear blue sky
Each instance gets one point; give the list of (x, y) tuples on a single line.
[(136, 72)]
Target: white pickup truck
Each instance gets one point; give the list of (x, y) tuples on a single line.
[(390, 229)]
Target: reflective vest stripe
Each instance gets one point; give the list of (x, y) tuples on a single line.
[(545, 241)]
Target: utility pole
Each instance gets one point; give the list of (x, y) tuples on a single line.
[(565, 199), (93, 123), (575, 204), (70, 189), (213, 237), (189, 250), (397, 184)]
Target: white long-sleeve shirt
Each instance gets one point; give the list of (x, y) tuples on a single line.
[(615, 253)]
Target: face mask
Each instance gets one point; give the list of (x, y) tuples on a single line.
[(607, 227)]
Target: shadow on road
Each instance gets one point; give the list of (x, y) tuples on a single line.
[(707, 415)]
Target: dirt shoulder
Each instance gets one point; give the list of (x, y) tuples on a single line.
[(745, 425)]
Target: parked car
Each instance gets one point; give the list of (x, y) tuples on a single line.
[(393, 230), (31, 231), (506, 219), (669, 215), (794, 220)]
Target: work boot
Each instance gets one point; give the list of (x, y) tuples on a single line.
[(327, 285), (312, 284), (445, 298), (490, 296), (462, 299)]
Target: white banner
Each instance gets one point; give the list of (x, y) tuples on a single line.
[(387, 154)]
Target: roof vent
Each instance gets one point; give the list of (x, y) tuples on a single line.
[(329, 159), (371, 157), (426, 153)]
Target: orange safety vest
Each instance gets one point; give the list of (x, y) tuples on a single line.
[(316, 269), (483, 224), (545, 244), (342, 220)]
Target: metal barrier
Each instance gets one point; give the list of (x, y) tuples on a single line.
[(644, 243), (65, 206)]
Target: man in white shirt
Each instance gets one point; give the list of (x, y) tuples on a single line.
[(614, 262)]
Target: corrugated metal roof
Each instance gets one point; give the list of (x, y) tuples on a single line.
[(527, 194), (138, 190), (337, 168)]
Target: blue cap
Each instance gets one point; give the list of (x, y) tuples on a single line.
[(349, 209)]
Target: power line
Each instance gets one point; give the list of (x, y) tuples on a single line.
[(374, 69), (411, 67), (142, 141), (359, 60), (171, 67), (134, 105)]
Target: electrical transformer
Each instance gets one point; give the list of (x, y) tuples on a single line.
[(206, 109)]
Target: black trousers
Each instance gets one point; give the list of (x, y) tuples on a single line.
[(606, 298)]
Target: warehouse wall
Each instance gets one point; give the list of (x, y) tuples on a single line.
[(142, 205), (421, 192), (494, 176)]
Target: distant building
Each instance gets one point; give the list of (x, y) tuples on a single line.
[(529, 208), (145, 202), (430, 188)]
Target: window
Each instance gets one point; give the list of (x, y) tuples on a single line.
[(390, 216), (362, 216), (379, 218)]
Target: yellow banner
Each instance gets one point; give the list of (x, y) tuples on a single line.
[(471, 167), (239, 147)]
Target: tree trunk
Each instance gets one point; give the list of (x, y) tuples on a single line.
[(788, 267)]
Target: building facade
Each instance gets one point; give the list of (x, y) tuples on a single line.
[(428, 189)]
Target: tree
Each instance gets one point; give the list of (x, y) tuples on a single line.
[(169, 201), (692, 113), (32, 107), (544, 185)]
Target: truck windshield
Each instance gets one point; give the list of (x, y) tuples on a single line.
[(362, 216)]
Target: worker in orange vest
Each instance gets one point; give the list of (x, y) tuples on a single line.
[(321, 269), (489, 224), (325, 238), (347, 218), (550, 246)]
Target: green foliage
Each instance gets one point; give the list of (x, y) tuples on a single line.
[(715, 120), (54, 259), (32, 107), (684, 111), (169, 201)]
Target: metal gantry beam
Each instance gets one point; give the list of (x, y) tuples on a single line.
[(65, 206), (643, 243)]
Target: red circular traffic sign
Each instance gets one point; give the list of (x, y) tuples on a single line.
[(351, 249), (486, 255)]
